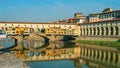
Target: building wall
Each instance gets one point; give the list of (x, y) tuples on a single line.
[(109, 15), (101, 29)]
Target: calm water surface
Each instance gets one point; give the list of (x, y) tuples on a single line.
[(90, 57), (52, 64)]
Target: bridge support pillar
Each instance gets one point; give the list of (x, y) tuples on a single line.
[(52, 38), (19, 42)]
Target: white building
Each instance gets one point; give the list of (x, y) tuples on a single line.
[(79, 18)]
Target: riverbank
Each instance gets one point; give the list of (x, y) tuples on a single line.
[(7, 60), (115, 44)]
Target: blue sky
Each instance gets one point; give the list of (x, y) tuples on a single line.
[(50, 10)]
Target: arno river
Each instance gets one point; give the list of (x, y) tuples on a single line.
[(60, 54), (59, 63)]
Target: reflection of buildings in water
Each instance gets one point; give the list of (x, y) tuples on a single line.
[(49, 54), (92, 56), (98, 56), (56, 44), (79, 63), (91, 64), (61, 44)]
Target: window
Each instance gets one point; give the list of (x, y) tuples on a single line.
[(113, 15)]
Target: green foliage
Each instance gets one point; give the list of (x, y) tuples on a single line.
[(100, 43)]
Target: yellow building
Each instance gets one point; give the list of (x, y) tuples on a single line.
[(59, 31), (19, 30)]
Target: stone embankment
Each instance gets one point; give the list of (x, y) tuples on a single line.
[(8, 60)]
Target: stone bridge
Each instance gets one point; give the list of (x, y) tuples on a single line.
[(52, 37)]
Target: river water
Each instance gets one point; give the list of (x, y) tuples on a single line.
[(85, 60), (59, 54), (52, 64)]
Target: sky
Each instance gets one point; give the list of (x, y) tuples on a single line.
[(51, 10)]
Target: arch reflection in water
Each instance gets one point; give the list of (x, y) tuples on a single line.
[(82, 55), (56, 44), (32, 42), (101, 55), (30, 54), (7, 42)]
